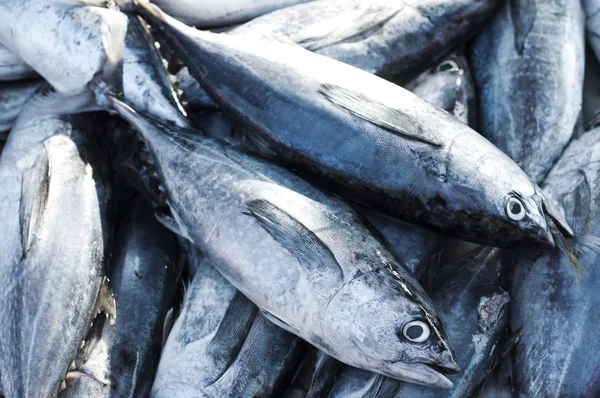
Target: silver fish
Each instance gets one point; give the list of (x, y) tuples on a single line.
[(13, 67), (387, 37), (558, 315), (52, 250), (67, 44), (591, 91), (450, 86), (528, 67), (146, 84), (122, 359), (367, 138), (13, 96), (209, 14), (325, 278), (221, 346)]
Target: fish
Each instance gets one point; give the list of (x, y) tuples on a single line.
[(474, 307), (54, 244), (73, 47), (192, 94), (450, 86), (13, 96), (592, 24), (395, 40), (556, 314), (221, 345), (211, 14), (591, 91), (326, 278), (12, 67), (527, 65), (366, 138), (146, 83), (122, 359)]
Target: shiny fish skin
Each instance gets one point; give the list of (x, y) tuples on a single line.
[(209, 13), (475, 310), (13, 96), (13, 67), (68, 45), (146, 84), (337, 286), (450, 86), (52, 249), (528, 68), (366, 138), (387, 37), (144, 270), (557, 314), (221, 346)]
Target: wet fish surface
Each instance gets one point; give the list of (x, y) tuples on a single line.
[(337, 286), (558, 315), (208, 14), (67, 44), (384, 147), (13, 96), (13, 67), (122, 358), (53, 247), (528, 69), (221, 345), (386, 37)]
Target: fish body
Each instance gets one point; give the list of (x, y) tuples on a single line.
[(591, 91), (221, 346), (13, 67), (52, 250), (146, 83), (557, 314), (528, 66), (366, 138), (326, 278), (386, 37), (210, 14), (592, 24), (123, 357), (450, 86), (68, 45), (13, 96)]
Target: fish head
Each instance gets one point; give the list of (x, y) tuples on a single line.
[(385, 323)]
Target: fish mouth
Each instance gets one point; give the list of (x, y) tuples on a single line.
[(423, 374)]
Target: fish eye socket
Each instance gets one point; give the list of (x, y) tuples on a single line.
[(515, 209), (416, 331), (447, 66)]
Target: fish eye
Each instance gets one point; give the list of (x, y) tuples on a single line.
[(515, 209), (447, 66), (416, 331)]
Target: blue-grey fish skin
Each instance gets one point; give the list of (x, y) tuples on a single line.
[(221, 346), (53, 247), (591, 91), (13, 67), (449, 85), (528, 68), (390, 38), (146, 83), (144, 272), (13, 96), (326, 278), (475, 309), (556, 313), (366, 138)]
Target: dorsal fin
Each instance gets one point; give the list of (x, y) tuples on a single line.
[(34, 195), (377, 113), (300, 241), (346, 28)]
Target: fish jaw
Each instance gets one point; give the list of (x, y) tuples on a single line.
[(419, 373)]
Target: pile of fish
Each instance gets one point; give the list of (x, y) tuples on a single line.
[(295, 198)]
